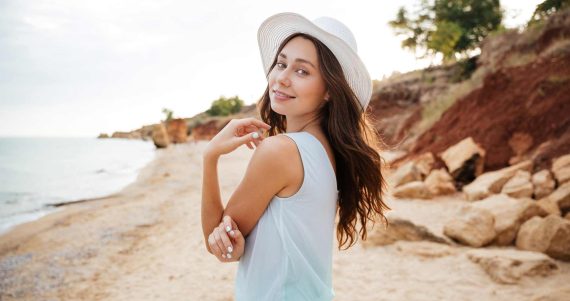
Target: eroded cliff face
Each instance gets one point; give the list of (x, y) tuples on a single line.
[(519, 107)]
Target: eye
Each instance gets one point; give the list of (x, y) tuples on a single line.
[(280, 65), (303, 72)]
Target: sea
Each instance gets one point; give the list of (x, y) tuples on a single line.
[(36, 173)]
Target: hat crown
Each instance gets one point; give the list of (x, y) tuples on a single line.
[(338, 29)]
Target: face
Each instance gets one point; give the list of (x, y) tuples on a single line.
[(297, 75)]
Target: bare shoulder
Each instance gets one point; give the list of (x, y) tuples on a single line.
[(278, 149)]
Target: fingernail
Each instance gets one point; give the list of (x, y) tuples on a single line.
[(229, 256), (255, 135), (224, 256), (230, 249), (228, 228), (232, 233)]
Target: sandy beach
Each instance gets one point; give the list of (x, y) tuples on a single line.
[(145, 243)]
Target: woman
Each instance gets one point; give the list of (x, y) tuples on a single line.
[(320, 157)]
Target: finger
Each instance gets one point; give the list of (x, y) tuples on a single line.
[(246, 138), (227, 221), (219, 243), (249, 145), (228, 247), (214, 246), (238, 238), (256, 122)]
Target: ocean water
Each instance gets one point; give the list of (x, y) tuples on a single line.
[(37, 172)]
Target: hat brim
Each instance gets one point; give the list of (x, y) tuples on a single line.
[(278, 27)]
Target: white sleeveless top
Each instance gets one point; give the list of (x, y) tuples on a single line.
[(288, 254)]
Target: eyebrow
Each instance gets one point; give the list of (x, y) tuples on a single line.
[(298, 60)]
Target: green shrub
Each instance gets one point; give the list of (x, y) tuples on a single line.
[(225, 106)]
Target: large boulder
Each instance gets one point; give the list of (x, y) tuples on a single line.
[(412, 190), (543, 183), (509, 214), (424, 163), (509, 266), (492, 182), (160, 136), (561, 169), (464, 160), (405, 174), (550, 235), (472, 226), (519, 186), (561, 197), (425, 249), (439, 182), (399, 229), (177, 130), (550, 206)]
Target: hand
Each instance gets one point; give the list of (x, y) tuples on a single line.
[(227, 248), (234, 134)]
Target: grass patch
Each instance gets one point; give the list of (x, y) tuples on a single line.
[(517, 59), (433, 110)]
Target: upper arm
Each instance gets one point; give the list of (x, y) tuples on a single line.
[(268, 172)]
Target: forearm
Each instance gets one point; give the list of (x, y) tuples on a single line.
[(212, 207)]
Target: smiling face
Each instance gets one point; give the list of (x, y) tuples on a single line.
[(296, 86)]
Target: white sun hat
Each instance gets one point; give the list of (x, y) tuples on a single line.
[(331, 32)]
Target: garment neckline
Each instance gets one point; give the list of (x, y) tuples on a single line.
[(322, 148)]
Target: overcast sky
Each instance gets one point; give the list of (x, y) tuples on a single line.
[(79, 68)]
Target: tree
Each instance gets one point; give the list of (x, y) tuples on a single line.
[(168, 113), (449, 27), (225, 106), (547, 8)]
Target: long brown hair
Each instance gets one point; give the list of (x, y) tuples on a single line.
[(355, 144)]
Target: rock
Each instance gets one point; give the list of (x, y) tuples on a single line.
[(208, 129), (549, 206), (492, 182), (160, 136), (509, 214), (550, 235), (405, 174), (424, 163), (399, 229), (562, 175), (509, 266), (412, 190), (519, 186), (520, 143), (472, 226), (543, 183), (426, 249), (439, 182), (561, 197), (464, 160), (103, 136), (177, 130), (122, 135), (561, 169)]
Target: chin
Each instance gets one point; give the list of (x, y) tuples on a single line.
[(277, 108)]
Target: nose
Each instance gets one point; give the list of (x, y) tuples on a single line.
[(283, 77)]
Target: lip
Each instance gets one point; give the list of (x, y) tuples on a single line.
[(281, 95)]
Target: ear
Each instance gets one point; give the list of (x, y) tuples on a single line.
[(327, 97)]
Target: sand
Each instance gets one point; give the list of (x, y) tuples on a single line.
[(145, 243)]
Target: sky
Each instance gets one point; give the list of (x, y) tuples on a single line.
[(79, 68)]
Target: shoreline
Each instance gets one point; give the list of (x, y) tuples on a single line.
[(146, 243)]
